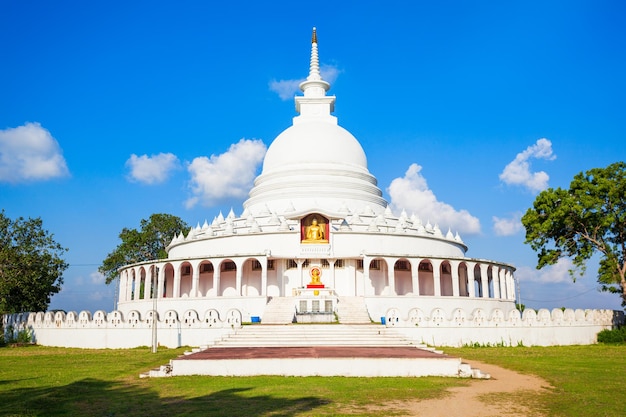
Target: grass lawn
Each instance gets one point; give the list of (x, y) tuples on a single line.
[(587, 380), (44, 381)]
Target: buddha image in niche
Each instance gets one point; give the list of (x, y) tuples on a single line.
[(315, 233)]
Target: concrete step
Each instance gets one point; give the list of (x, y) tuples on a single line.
[(318, 335), (352, 310), (313, 335), (279, 310)]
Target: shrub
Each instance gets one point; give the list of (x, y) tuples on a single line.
[(612, 336), (23, 336)]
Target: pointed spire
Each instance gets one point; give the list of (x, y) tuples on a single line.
[(314, 69), (314, 88)]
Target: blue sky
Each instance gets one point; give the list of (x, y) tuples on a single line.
[(111, 111)]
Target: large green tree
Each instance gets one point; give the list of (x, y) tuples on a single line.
[(142, 245), (31, 265), (587, 218)]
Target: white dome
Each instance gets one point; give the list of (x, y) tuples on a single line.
[(315, 164), (314, 143)]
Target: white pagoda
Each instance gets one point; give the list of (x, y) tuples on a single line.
[(315, 242)]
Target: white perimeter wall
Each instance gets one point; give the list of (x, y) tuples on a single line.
[(438, 327)]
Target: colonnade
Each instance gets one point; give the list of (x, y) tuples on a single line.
[(380, 276), (444, 277)]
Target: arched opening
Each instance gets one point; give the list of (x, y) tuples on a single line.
[(186, 274), (206, 287), (142, 284), (273, 288), (478, 283), (228, 278), (168, 281), (463, 281), (378, 276), (251, 279), (402, 277), (445, 279), (426, 278)]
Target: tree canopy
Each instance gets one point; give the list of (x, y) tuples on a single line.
[(588, 218), (142, 245), (31, 265)]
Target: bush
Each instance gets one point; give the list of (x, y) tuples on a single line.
[(23, 336), (612, 336)]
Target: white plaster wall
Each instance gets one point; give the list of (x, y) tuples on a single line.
[(248, 306), (379, 306), (438, 327), (342, 245)]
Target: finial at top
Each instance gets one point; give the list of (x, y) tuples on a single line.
[(315, 102)]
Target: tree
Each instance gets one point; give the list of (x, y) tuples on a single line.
[(31, 265), (588, 218), (142, 245)]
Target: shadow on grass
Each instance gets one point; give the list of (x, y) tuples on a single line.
[(94, 397)]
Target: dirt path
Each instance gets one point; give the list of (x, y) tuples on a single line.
[(465, 401)]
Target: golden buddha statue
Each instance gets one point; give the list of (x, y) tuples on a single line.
[(315, 276), (315, 233)]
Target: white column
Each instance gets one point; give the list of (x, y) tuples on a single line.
[(238, 275), (497, 279), (502, 290), (195, 279), (264, 277), (366, 275), (147, 290), (161, 279), (436, 276), (454, 270), (123, 284), (391, 276), (484, 279), (280, 265), (471, 281), (176, 290), (415, 266), (217, 269), (129, 285), (357, 290), (510, 280)]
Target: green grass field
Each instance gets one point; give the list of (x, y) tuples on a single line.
[(44, 381)]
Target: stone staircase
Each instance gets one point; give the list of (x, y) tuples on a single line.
[(352, 310), (315, 335), (279, 310), (312, 335)]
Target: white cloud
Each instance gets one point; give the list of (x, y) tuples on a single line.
[(227, 175), (507, 227), (557, 273), (30, 153), (287, 89), (412, 194), (97, 278), (329, 73), (517, 172), (153, 169)]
